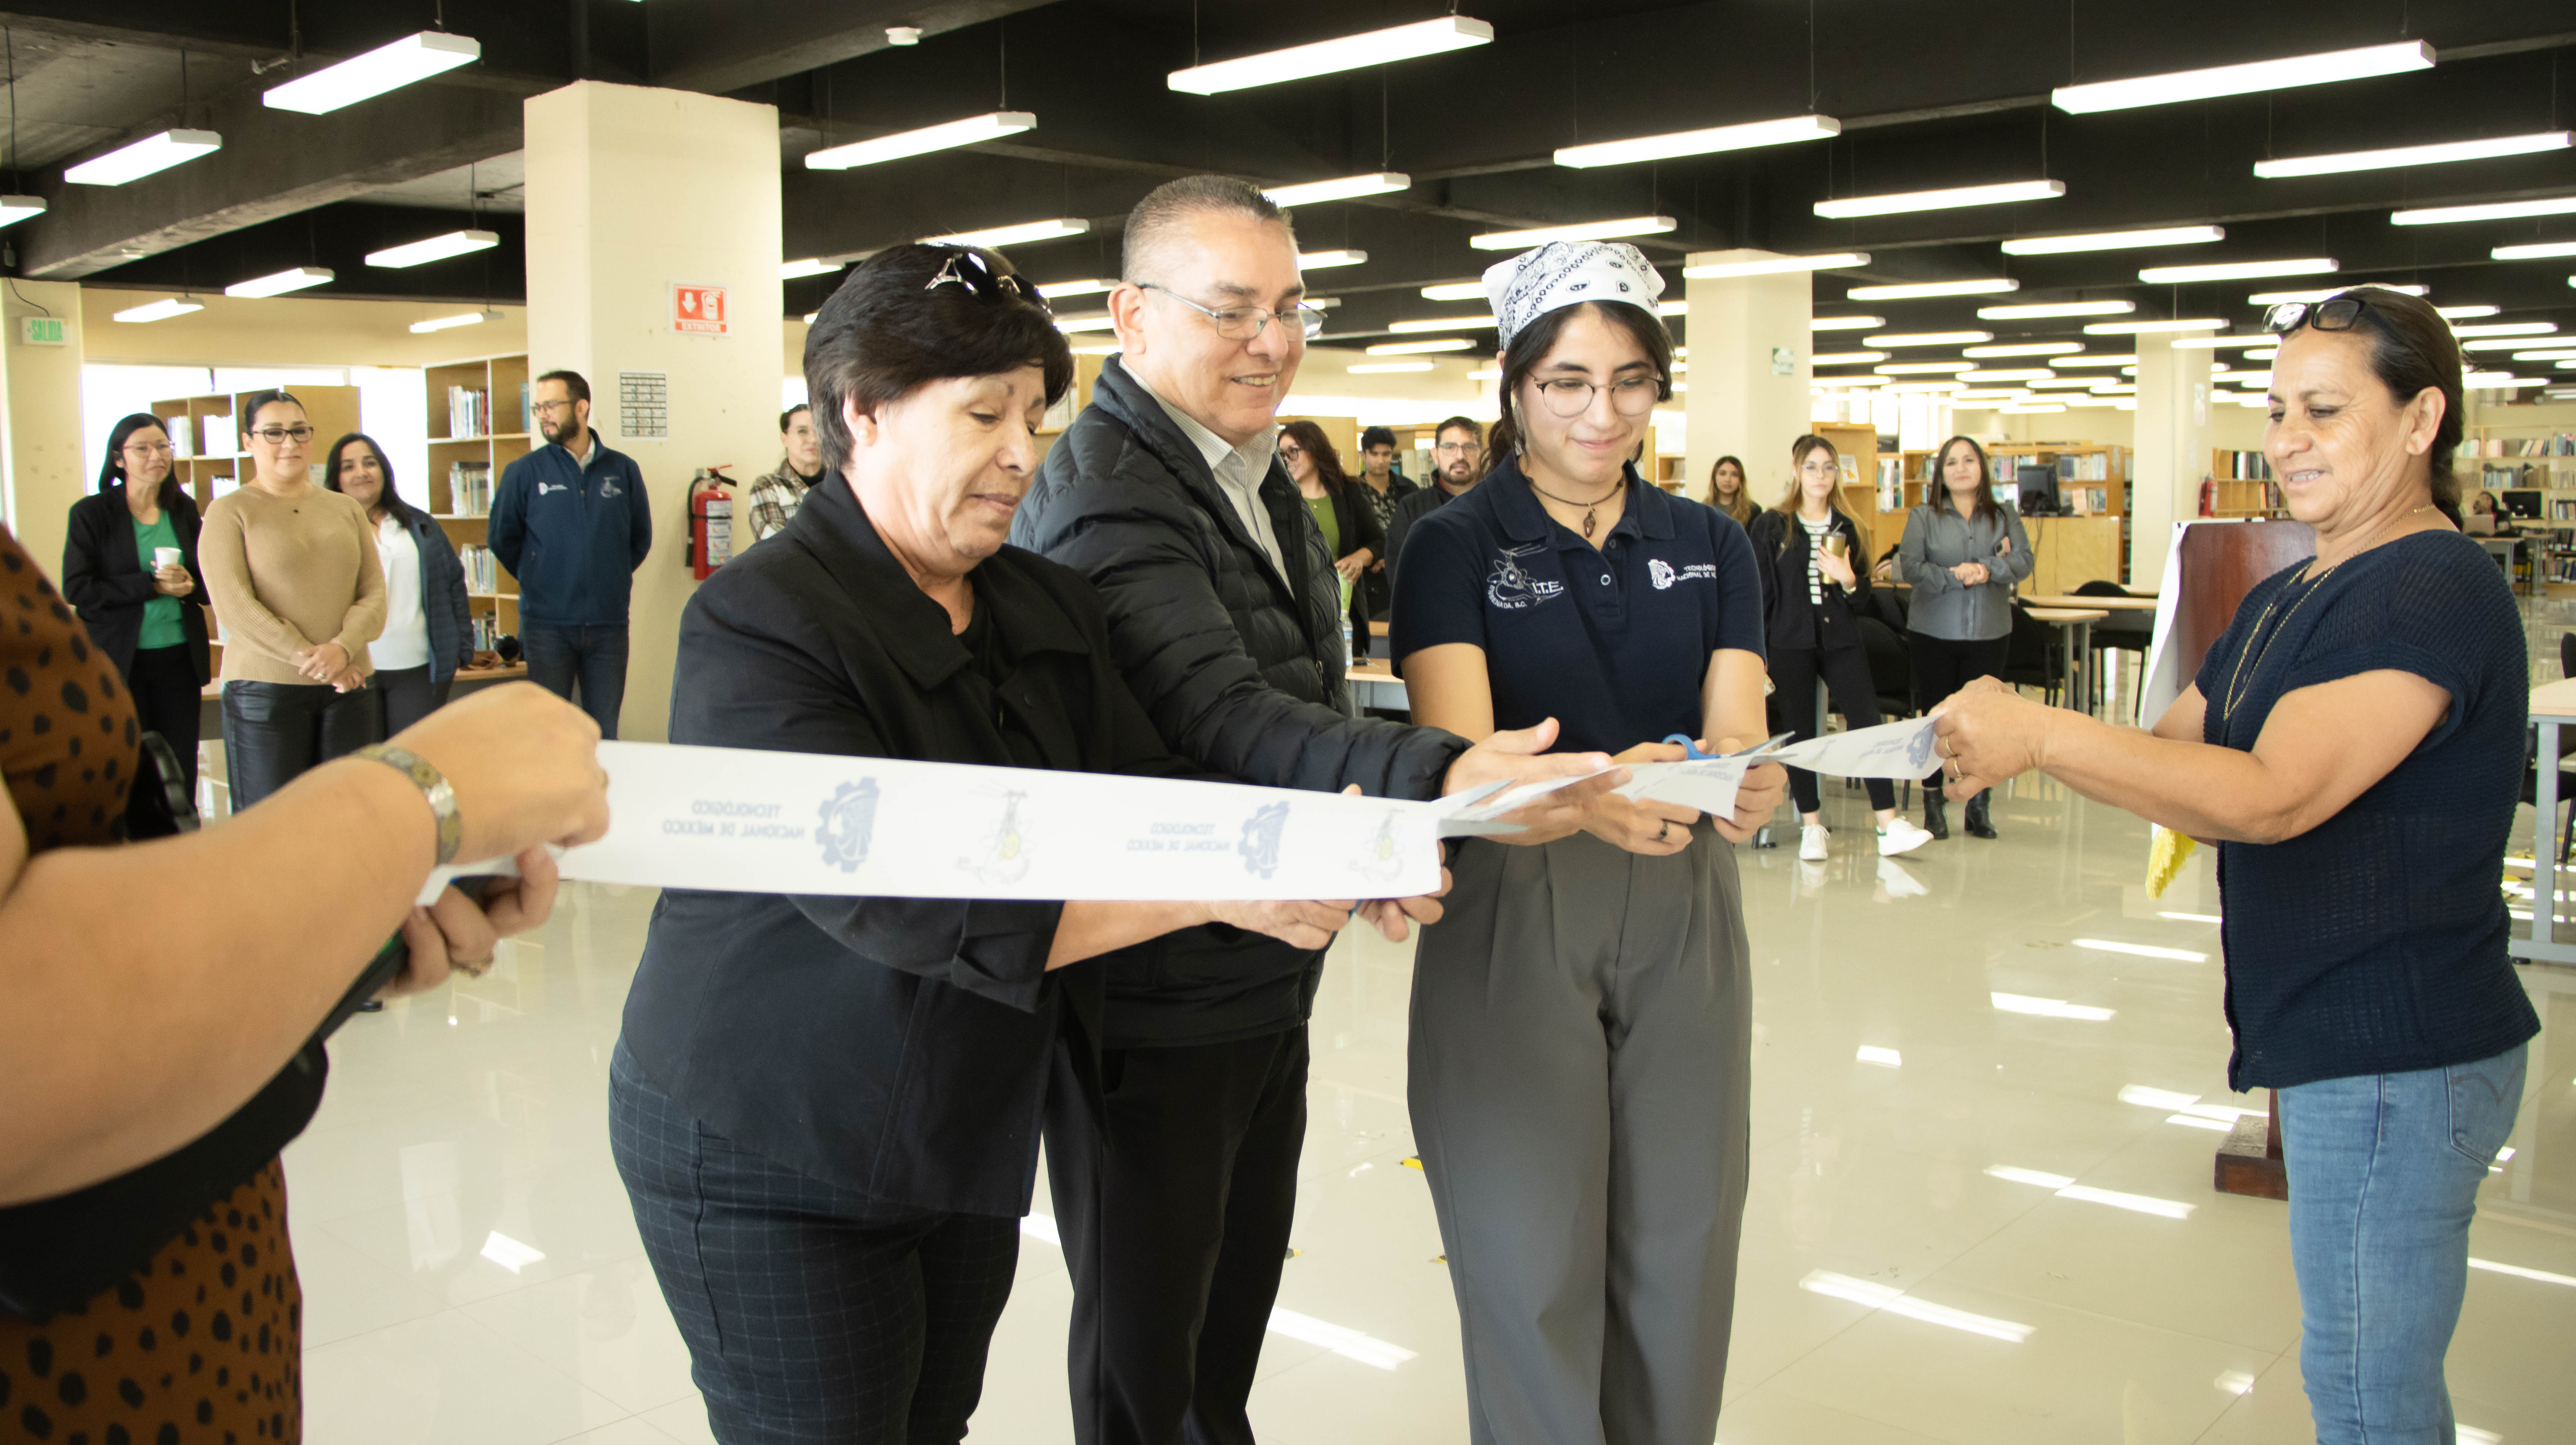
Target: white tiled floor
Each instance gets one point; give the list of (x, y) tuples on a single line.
[(472, 1274)]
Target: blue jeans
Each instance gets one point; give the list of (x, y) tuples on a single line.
[(594, 656), (2384, 1176)]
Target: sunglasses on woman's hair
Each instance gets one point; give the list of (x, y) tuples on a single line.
[(981, 281), (2335, 313)]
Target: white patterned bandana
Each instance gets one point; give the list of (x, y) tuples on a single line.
[(1568, 273)]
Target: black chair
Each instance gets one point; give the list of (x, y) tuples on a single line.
[(2030, 659), (1891, 677), (2129, 632)]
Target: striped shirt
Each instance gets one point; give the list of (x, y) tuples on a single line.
[(1816, 534)]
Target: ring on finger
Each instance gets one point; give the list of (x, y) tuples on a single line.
[(472, 967), (1664, 832)]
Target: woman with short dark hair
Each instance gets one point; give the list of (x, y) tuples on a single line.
[(130, 569), (429, 624), (2354, 746), (1349, 527), (826, 1110), (1964, 552)]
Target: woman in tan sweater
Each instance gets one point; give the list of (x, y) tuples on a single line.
[(296, 584)]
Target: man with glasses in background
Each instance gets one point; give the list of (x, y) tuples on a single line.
[(571, 523), (1457, 461), (1174, 1199)]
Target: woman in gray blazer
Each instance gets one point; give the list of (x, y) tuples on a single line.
[(1963, 553)]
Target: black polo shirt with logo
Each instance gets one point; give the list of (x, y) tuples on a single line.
[(1614, 642)]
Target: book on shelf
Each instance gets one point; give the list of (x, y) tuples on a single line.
[(469, 489), (469, 412), (2558, 444), (2246, 466), (183, 437), (482, 574), (218, 437)]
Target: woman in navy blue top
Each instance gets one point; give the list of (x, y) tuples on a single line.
[(2354, 745), (1582, 1012)]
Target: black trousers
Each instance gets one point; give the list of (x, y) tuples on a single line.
[(409, 695), (813, 1316), (1846, 673), (1942, 667), (1174, 1210), (593, 657), (275, 732), (164, 683)]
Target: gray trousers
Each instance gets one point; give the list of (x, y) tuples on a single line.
[(1580, 1084)]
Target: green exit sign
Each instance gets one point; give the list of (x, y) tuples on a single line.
[(40, 331)]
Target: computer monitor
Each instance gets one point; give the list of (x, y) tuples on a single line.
[(2523, 504), (2037, 487)]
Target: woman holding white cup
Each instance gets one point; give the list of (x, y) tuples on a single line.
[(130, 570)]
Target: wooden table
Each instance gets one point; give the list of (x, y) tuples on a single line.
[(2553, 706), (2077, 625), (2107, 604), (1374, 684)]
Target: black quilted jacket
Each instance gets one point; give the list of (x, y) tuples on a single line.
[(1239, 668)]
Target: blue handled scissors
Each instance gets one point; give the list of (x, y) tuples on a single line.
[(1692, 754)]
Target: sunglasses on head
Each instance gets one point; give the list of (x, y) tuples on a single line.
[(969, 270), (2335, 313)]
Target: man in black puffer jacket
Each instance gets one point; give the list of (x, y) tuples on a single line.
[(1225, 614)]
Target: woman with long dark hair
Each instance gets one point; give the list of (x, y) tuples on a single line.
[(130, 570), (1964, 552), (1348, 525), (1811, 593), (1727, 492), (429, 626)]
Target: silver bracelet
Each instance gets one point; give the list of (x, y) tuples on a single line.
[(433, 786)]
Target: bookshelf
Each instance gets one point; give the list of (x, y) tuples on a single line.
[(2529, 458), (2092, 478), (2240, 485), (469, 404)]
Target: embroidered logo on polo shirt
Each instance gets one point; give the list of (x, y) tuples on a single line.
[(545, 487), (1665, 575), (1511, 586)]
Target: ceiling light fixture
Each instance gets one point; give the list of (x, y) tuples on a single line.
[(1580, 231), (14, 209), (1374, 368), (464, 318), (2133, 328), (148, 156), (2425, 155), (161, 310), (1845, 358), (1444, 323), (1998, 393), (1087, 321), (1324, 57), (2034, 310), (2260, 75), (1409, 348), (2534, 252), (2007, 374), (2498, 343), (2236, 271), (1090, 286), (1927, 338), (2221, 343), (1341, 189), (1702, 142), (1672, 308), (2274, 298), (279, 283), (2506, 328), (2463, 313), (796, 270), (1845, 323), (436, 248), (406, 61), (1014, 235), (1926, 386), (2113, 240), (2072, 383), (1901, 368), (2032, 408), (2096, 359), (947, 135), (2553, 353), (1455, 291), (2499, 211), (1322, 260), (1776, 265), (1901, 202), (2026, 348), (1916, 290)]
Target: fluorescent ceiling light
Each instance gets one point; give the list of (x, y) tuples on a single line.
[(2108, 387), (1926, 338), (2133, 328), (1918, 289), (2260, 75), (2499, 381), (2096, 359), (2033, 310), (2274, 298), (1672, 308), (1827, 382), (1320, 260), (1448, 323), (1845, 323), (468, 318), (2537, 251), (387, 67), (1845, 358), (1776, 265), (1903, 368), (1897, 1302), (1455, 291), (153, 153), (2236, 270), (2007, 373), (2496, 343), (2463, 313), (2113, 240), (2026, 348), (1406, 348), (1088, 321), (1702, 142), (279, 283), (2554, 353), (2221, 343), (14, 209), (810, 266), (1580, 231), (1368, 368), (1490, 373), (1324, 57), (944, 136), (436, 248), (161, 310), (2458, 150), (1339, 189), (1941, 200), (1089, 287), (2071, 383), (2500, 211), (1926, 385), (2506, 328), (2001, 393), (1011, 235), (1106, 348)]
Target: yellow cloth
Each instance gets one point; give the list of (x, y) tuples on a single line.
[(2166, 850)]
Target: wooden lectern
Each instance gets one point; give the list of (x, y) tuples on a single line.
[(2217, 564)]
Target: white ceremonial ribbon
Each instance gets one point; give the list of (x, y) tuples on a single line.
[(744, 821), (1890, 750)]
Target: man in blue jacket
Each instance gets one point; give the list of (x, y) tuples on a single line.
[(571, 523)]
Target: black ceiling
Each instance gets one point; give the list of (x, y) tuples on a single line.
[(1927, 95)]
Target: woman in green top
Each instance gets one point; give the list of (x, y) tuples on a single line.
[(1349, 527), (130, 570)]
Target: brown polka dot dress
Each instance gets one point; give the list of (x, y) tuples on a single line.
[(201, 1344)]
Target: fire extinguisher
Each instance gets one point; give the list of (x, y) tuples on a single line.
[(2208, 497), (710, 521)]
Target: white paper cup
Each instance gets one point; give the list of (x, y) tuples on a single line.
[(165, 557)]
